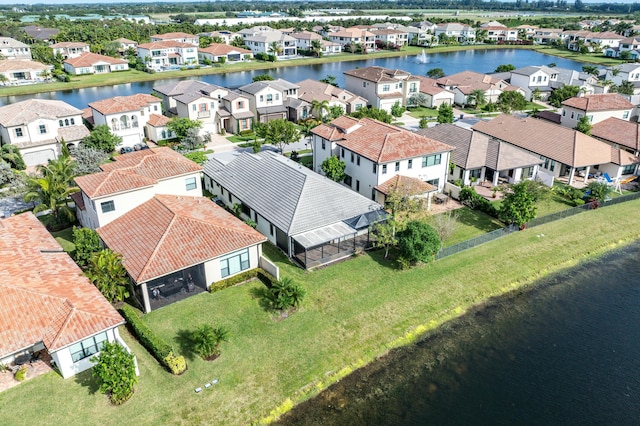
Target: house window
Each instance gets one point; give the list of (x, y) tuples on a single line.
[(272, 229), (625, 115), (323, 144), (591, 118), (364, 84), (60, 123), (277, 96), (191, 183), (240, 104), (234, 263), (261, 98), (155, 108), (628, 169), (342, 152), (358, 160), (413, 88), (384, 169), (564, 113), (87, 347), (435, 182), (245, 209), (19, 132), (358, 185), (410, 164), (375, 168), (107, 206), (431, 160), (348, 180), (475, 173), (194, 107), (352, 157), (397, 166), (42, 129), (527, 172), (73, 122), (572, 113), (386, 87), (358, 107), (269, 97)]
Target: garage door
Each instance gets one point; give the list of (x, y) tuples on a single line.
[(39, 157)]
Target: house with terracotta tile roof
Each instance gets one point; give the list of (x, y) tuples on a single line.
[(375, 152), (313, 219), (46, 302), (126, 116), (464, 83), (351, 37), (310, 90), (92, 63), (215, 51), (131, 180), (565, 152), (597, 107), (38, 127), (69, 49), (163, 55), (176, 246), (478, 157), (621, 134), (180, 37), (19, 71), (157, 129), (435, 94), (381, 86)]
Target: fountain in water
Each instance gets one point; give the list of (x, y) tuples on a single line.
[(422, 58)]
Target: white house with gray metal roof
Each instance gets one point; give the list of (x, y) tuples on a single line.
[(310, 217)]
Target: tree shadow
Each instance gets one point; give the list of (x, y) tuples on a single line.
[(184, 340), (478, 220), (390, 262), (86, 380), (264, 297)]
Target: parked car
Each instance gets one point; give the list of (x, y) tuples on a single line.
[(140, 146), (125, 149)]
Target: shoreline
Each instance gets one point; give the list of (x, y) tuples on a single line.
[(401, 365), (422, 333), (134, 76)]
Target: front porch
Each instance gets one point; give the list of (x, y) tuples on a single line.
[(37, 364)]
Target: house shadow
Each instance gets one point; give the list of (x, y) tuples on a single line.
[(86, 380), (478, 220), (262, 294), (184, 340)]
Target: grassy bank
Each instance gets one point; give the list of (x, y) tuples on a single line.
[(354, 311), (576, 56)]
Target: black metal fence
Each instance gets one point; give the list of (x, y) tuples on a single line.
[(490, 236)]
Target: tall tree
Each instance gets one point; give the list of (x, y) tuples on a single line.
[(320, 108), (584, 125), (590, 69), (477, 98), (445, 113), (563, 93), (519, 205), (316, 48), (275, 48), (87, 242), (115, 370), (435, 73), (418, 242), (511, 101), (181, 125), (333, 168), (505, 68), (281, 133)]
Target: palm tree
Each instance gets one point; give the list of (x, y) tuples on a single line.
[(275, 48), (316, 48), (52, 188), (320, 108), (106, 272), (237, 42), (207, 340), (477, 98), (3, 79)]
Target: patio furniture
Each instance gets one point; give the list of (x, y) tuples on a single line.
[(441, 198)]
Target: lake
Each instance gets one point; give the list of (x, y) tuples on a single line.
[(480, 60), (566, 352)]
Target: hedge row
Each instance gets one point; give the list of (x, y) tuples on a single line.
[(470, 198), (259, 273), (160, 349)]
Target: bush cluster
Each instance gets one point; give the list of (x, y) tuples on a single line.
[(259, 273), (470, 198), (261, 56), (160, 349), (21, 374)]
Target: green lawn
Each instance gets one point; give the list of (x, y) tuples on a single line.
[(420, 112), (65, 239), (471, 223), (354, 311)]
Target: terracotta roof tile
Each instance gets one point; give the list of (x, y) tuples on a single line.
[(88, 59), (120, 104), (25, 112), (599, 102), (156, 120), (136, 170), (20, 65), (166, 44), (378, 141), (559, 143), (408, 185), (43, 294), (222, 49), (168, 36), (621, 132), (169, 233), (378, 74)]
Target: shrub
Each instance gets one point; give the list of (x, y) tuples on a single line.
[(470, 198), (175, 364), (207, 340), (21, 374), (285, 294), (160, 349), (259, 273), (418, 242), (115, 370)]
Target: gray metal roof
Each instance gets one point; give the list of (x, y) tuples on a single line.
[(287, 194), (278, 84)]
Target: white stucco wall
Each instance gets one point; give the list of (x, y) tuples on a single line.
[(67, 367)]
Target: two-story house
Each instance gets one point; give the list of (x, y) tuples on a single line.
[(622, 135), (124, 44), (375, 152), (534, 77), (499, 32), (69, 49), (191, 39), (235, 113), (351, 38), (270, 41), (161, 55), (14, 49), (456, 31), (435, 95), (390, 37), (464, 83), (626, 72), (597, 107), (131, 180), (267, 99), (126, 116), (38, 127), (311, 90), (381, 86), (548, 36)]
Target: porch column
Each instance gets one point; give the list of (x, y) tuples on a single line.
[(429, 196), (145, 298), (586, 174), (572, 172), (496, 176)]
